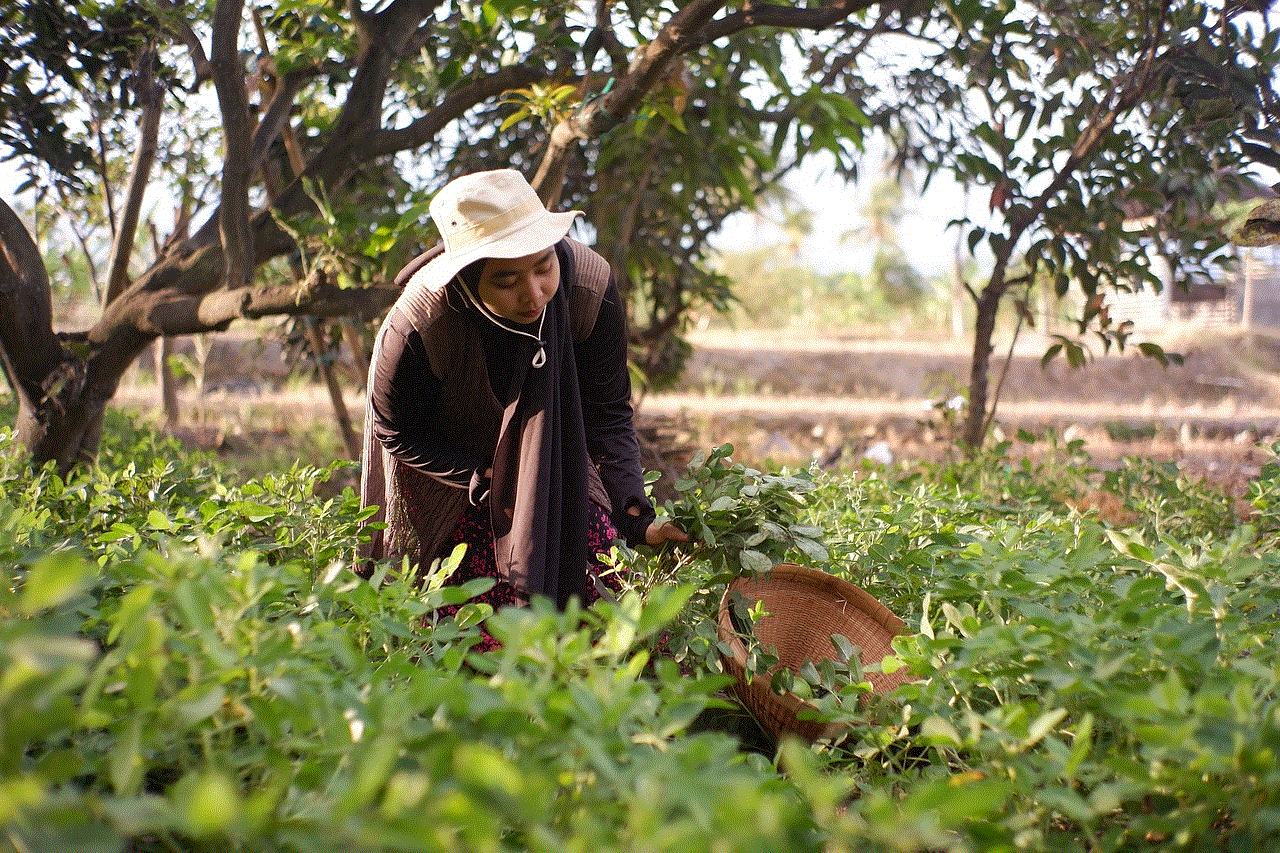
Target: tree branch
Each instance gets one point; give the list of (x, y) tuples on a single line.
[(28, 345), (1102, 120), (202, 69), (228, 80), (648, 66), (193, 313), (384, 37), (452, 107), (150, 94), (616, 50), (693, 26), (606, 112), (789, 17), (274, 119)]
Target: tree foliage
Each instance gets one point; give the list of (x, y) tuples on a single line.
[(57, 58), (329, 124), (1100, 134), (299, 140)]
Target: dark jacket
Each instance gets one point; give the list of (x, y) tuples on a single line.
[(420, 465)]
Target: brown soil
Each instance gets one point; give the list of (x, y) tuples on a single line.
[(792, 400)]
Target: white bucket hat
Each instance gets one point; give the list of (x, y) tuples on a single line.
[(494, 214)]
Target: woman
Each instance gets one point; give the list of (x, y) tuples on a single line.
[(499, 408)]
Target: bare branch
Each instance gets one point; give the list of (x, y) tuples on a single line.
[(816, 18), (178, 313), (454, 105), (108, 197), (616, 50), (202, 69), (73, 225), (693, 26), (150, 94), (864, 39), (648, 66), (384, 37), (606, 112), (274, 119)]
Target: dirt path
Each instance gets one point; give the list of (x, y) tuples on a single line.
[(793, 400)]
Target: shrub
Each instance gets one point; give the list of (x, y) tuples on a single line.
[(188, 663)]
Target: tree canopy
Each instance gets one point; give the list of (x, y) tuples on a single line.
[(1101, 136), (298, 140)]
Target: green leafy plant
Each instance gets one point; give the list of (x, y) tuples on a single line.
[(741, 519), (188, 663)]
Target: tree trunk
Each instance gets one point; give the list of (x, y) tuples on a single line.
[(360, 356), (349, 437), (151, 95), (59, 405), (957, 290), (64, 383), (166, 383), (980, 364)]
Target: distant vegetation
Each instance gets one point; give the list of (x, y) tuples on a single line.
[(775, 289)]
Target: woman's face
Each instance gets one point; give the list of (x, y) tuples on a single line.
[(517, 289)]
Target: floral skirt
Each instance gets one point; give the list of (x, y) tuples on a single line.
[(475, 530)]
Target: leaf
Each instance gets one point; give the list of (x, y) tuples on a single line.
[(975, 237), (125, 761), (810, 673), (1068, 803), (54, 580), (1155, 351), (938, 731), (1140, 551), (118, 532), (1081, 747), (208, 803), (1075, 355), (254, 511), (670, 115), (195, 703), (157, 520), (722, 503), (513, 119), (845, 650), (754, 561), (1043, 725), (811, 549)]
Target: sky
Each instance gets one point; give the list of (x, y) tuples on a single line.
[(838, 209)]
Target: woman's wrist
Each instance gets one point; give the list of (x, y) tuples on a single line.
[(636, 523)]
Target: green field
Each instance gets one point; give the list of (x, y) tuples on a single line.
[(189, 663)]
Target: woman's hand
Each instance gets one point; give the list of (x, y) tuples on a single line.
[(656, 534), (668, 531)]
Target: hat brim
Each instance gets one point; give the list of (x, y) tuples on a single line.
[(542, 233)]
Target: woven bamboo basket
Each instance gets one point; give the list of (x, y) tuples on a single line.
[(805, 607)]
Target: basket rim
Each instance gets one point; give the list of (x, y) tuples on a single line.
[(806, 575)]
